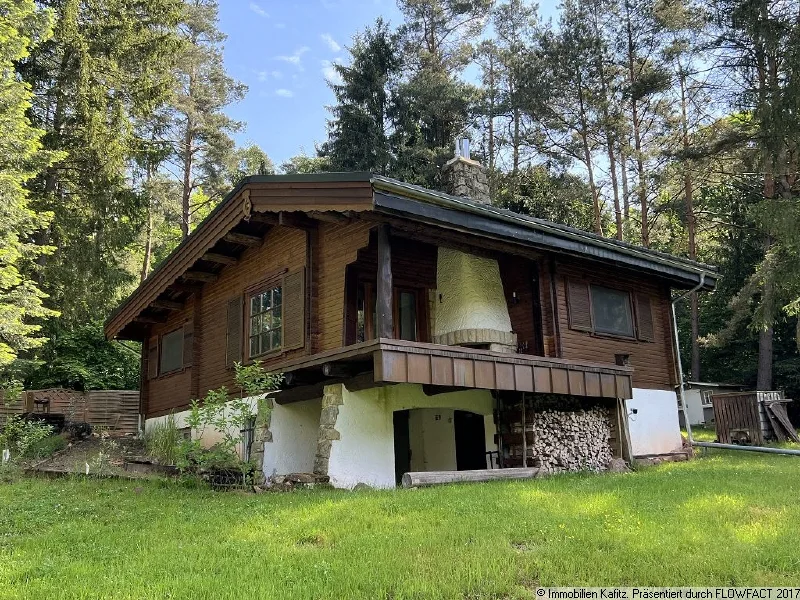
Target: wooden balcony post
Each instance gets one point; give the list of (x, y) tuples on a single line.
[(383, 299)]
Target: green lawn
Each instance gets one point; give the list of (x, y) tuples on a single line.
[(726, 519)]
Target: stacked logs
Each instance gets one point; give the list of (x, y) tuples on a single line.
[(570, 441)]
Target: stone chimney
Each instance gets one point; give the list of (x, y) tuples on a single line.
[(466, 177)]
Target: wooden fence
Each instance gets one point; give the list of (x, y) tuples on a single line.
[(117, 410), (752, 417)]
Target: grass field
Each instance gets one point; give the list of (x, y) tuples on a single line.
[(726, 519)]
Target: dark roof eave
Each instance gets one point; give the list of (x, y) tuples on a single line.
[(420, 204)]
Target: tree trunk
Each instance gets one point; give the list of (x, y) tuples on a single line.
[(148, 240), (187, 180), (587, 158), (626, 203), (637, 139), (765, 337), (691, 225)]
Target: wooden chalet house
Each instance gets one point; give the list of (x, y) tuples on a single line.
[(417, 330)]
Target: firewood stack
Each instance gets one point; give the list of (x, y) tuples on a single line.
[(568, 441)]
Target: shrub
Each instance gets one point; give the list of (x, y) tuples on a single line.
[(46, 447), (229, 416), (20, 434), (162, 441)]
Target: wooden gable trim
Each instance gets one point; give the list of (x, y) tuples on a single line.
[(303, 195)]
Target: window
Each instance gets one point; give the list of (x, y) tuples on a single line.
[(407, 315), (705, 398), (266, 316), (611, 311), (171, 352)]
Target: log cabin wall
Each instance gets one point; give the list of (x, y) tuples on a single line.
[(166, 392), (284, 249), (339, 246), (652, 361), (519, 276)]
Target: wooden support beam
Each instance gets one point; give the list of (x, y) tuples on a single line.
[(149, 320), (329, 217), (220, 259), (383, 300), (296, 220), (167, 304), (426, 478), (243, 239), (188, 288), (201, 276), (260, 217)]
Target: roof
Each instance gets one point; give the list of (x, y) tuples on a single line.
[(361, 191)]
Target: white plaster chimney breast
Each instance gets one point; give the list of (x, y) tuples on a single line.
[(471, 307)]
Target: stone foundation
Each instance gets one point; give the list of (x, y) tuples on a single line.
[(332, 399)]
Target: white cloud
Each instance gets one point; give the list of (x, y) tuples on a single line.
[(294, 58), (276, 74), (284, 93), (262, 75), (330, 73), (280, 25), (258, 10), (332, 44)]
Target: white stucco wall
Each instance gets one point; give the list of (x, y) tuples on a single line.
[(365, 452), (209, 436), (471, 293), (295, 428), (654, 428)]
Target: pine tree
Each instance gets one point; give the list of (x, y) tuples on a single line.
[(201, 132), (361, 127), (22, 27), (107, 66)]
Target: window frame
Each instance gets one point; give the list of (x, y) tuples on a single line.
[(250, 294), (631, 313), (161, 338), (369, 288)]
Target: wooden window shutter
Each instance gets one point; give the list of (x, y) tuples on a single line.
[(644, 318), (188, 344), (580, 305), (294, 310), (152, 359), (233, 346)]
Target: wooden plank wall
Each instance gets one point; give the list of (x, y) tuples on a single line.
[(283, 248), (653, 362), (517, 275), (339, 245)]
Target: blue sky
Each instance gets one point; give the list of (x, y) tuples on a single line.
[(283, 49)]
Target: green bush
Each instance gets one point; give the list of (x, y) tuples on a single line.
[(46, 447), (163, 440), (20, 434)]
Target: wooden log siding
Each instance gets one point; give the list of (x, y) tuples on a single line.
[(284, 248), (341, 243), (652, 362), (398, 361)]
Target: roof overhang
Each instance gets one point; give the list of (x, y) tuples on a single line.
[(412, 202), (355, 193)]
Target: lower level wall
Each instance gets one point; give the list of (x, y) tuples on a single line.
[(209, 437), (364, 452), (654, 428), (294, 429)]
